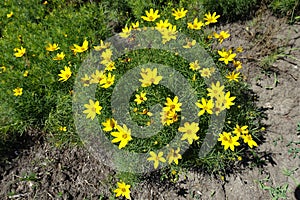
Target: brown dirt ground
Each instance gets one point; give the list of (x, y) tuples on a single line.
[(74, 174)]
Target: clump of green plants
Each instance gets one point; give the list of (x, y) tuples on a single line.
[(159, 94), (289, 8)]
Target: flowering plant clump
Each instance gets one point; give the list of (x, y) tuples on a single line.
[(38, 73)]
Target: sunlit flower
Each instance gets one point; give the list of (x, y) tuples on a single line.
[(135, 26), (79, 49), (65, 74), (233, 76), (63, 128), (228, 141), (190, 131), (216, 90), (19, 52), (86, 80), (223, 35), (123, 135), (172, 105), (93, 108), (106, 57), (239, 49), (151, 16), (206, 106), (238, 131), (18, 91), (237, 64), (52, 47), (205, 72), (3, 69), (211, 18), (125, 32), (163, 24), (25, 74), (194, 65), (168, 34), (122, 190), (110, 66), (195, 25), (226, 56), (179, 13), (59, 56), (107, 81), (109, 125), (9, 15), (97, 77), (140, 98), (156, 158), (228, 100), (248, 140)]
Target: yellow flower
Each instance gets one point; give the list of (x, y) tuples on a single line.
[(135, 26), (239, 49), (228, 100), (123, 135), (107, 81), (228, 141), (223, 35), (125, 32), (79, 49), (174, 156), (238, 131), (179, 13), (168, 117), (211, 18), (194, 65), (93, 108), (172, 105), (65, 74), (18, 91), (195, 25), (207, 105), (233, 76), (156, 158), (19, 52), (59, 56), (110, 66), (109, 125), (168, 34), (25, 74), (123, 190), (140, 98), (3, 69), (63, 128), (151, 16), (226, 56), (205, 72), (216, 90), (190, 131), (106, 57), (102, 46), (237, 65), (248, 140), (86, 80), (150, 77), (162, 24), (190, 44), (97, 77), (9, 15), (52, 47)]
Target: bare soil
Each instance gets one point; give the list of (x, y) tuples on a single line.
[(43, 171)]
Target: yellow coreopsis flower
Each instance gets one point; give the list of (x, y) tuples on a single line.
[(168, 34), (238, 131), (228, 141), (97, 77), (196, 25), (151, 16), (174, 156), (123, 135), (179, 13), (163, 24), (172, 105), (65, 74), (125, 32), (25, 74), (59, 56), (248, 140), (156, 158), (206, 106), (19, 52), (102, 45), (86, 80), (9, 15), (18, 91), (140, 98), (215, 90), (110, 66), (122, 190), (79, 49), (93, 108), (150, 77), (135, 26), (190, 131), (237, 64), (205, 72), (211, 18), (52, 47), (233, 76), (226, 56), (190, 44), (107, 81), (109, 125), (194, 65), (223, 35), (63, 128), (228, 100)]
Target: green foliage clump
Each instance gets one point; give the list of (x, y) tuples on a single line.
[(286, 8)]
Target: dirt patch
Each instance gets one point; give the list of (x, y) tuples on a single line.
[(46, 172)]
